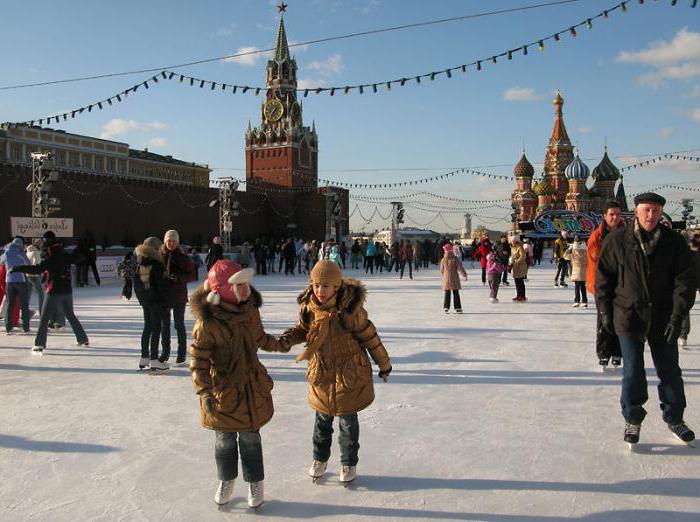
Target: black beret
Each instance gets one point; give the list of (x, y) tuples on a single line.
[(649, 197)]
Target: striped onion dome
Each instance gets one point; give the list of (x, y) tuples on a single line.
[(577, 170), (543, 188), (606, 170), (524, 168)]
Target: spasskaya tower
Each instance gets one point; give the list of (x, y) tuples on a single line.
[(281, 153)]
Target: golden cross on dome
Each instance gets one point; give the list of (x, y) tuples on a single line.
[(282, 7)]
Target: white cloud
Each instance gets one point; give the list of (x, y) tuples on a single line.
[(333, 65), (250, 56), (225, 31), (585, 130), (310, 83), (665, 132), (684, 46), (695, 114), (520, 94), (370, 6), (675, 72), (117, 127), (678, 59), (157, 143)]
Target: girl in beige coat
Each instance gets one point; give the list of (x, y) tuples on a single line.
[(450, 269), (519, 266), (579, 262)]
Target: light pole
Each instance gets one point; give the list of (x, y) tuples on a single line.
[(42, 204), (228, 208)]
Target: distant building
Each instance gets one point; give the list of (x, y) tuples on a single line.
[(563, 182), (410, 233)]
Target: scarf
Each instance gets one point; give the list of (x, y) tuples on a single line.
[(320, 328), (647, 240)]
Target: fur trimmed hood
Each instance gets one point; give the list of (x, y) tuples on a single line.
[(146, 252), (350, 298), (205, 311)]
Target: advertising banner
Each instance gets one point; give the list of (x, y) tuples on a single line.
[(35, 227)]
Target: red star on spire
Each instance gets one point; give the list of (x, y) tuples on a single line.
[(282, 7)]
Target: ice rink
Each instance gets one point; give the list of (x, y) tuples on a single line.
[(499, 414)]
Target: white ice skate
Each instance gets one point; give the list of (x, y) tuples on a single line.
[(347, 474), (143, 363), (256, 494), (575, 305), (317, 470), (224, 493), (38, 350), (158, 367), (682, 343)]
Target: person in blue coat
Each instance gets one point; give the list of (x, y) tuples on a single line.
[(17, 284)]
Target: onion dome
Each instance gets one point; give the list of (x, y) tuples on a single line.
[(577, 170), (606, 170), (543, 188), (524, 168)]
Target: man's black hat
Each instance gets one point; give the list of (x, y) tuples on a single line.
[(649, 197)]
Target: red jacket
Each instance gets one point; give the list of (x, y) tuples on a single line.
[(481, 253)]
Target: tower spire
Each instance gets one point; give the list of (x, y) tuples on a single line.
[(282, 47)]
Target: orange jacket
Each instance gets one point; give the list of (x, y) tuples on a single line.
[(595, 241)]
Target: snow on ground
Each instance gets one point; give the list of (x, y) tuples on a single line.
[(497, 414)]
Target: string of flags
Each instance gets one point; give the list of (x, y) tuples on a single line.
[(403, 197), (384, 85), (660, 157)]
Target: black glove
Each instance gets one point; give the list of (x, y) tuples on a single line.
[(208, 404), (172, 277), (384, 375), (606, 324), (673, 330)]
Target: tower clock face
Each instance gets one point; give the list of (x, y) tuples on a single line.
[(274, 110)]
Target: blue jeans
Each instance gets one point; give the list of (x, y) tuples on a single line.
[(152, 322), (179, 319), (634, 380), (15, 290), (52, 304), (349, 438), (226, 455)]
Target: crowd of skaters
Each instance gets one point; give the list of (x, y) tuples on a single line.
[(643, 276)]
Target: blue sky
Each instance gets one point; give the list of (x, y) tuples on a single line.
[(633, 79)]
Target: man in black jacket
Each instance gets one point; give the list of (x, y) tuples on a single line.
[(59, 292), (644, 285)]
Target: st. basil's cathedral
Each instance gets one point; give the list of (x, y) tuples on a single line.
[(563, 184)]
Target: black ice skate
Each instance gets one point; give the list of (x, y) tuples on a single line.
[(632, 434), (684, 433), (616, 362)]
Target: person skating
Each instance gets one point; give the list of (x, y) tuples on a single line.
[(35, 281), (494, 269), (216, 252), (126, 270), (406, 254), (481, 252), (645, 283), (179, 270), (155, 297), (16, 283), (607, 345), (59, 292), (370, 252), (519, 268), (503, 249), (339, 336), (450, 268), (579, 254), (234, 388), (559, 251)]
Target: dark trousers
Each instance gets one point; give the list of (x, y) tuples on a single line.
[(606, 345), (226, 449), (685, 326), (260, 267), (483, 274), (152, 323), (289, 265), (505, 276), (410, 267), (81, 274), (562, 268), (519, 287), (634, 379), (52, 304), (271, 265), (456, 299), (494, 283), (348, 439), (369, 264), (580, 292), (178, 311), (13, 291), (393, 263)]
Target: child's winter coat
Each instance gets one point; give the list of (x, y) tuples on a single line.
[(339, 337), (225, 364), (579, 261), (493, 264)]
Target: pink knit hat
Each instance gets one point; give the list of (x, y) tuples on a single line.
[(447, 247), (220, 279)]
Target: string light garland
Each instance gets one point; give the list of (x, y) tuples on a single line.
[(219, 86)]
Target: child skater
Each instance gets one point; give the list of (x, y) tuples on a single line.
[(450, 268), (494, 271), (334, 324), (579, 262), (234, 388)]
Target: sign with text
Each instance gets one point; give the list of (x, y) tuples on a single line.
[(552, 222), (35, 227)]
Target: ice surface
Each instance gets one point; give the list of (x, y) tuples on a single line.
[(499, 414)]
